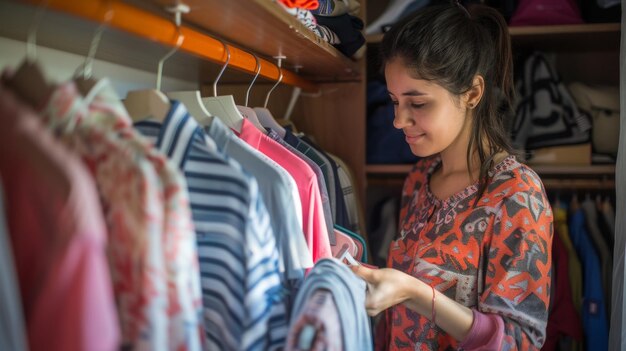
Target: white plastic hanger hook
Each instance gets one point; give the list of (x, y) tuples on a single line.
[(178, 10), (280, 78), (256, 75), (31, 37), (223, 67)]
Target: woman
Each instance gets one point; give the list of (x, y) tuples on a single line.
[(471, 267)]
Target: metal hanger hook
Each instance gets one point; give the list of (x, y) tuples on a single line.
[(31, 37), (256, 75), (178, 10), (95, 42), (280, 79), (223, 67)]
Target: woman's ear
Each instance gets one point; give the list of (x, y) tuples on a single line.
[(475, 93)]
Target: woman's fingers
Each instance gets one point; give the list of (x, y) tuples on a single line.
[(365, 273)]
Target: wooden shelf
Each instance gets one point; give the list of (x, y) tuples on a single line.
[(263, 27), (577, 37), (374, 39), (550, 171)]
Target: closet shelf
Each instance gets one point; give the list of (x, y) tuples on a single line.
[(575, 37), (160, 28), (263, 27)]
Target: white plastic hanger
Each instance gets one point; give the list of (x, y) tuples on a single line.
[(192, 99), (223, 107), (246, 111), (152, 103), (264, 115), (344, 254)]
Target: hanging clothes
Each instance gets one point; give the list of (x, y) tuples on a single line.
[(323, 164), (237, 250), (564, 325), (57, 237), (152, 238), (314, 225), (594, 317), (573, 264), (12, 327), (348, 292), (321, 183), (279, 192), (602, 248), (342, 213), (346, 181), (318, 326)]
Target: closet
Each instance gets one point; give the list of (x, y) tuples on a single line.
[(330, 107), (311, 83), (587, 53)]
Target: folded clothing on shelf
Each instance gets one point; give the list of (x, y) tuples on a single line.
[(349, 30), (337, 7), (303, 4)]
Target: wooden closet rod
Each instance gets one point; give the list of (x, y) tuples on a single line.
[(163, 30)]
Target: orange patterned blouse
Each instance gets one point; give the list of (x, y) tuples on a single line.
[(494, 257)]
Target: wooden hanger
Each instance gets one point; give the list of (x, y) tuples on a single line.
[(29, 82)]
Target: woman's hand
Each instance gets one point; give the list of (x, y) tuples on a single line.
[(386, 287)]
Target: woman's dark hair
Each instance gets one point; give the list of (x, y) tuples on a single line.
[(449, 45)]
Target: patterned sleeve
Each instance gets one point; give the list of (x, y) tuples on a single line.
[(518, 271)]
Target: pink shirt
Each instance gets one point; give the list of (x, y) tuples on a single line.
[(313, 223), (58, 237)]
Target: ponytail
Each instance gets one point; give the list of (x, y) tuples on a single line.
[(493, 22)]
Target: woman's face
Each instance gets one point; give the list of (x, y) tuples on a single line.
[(428, 114)]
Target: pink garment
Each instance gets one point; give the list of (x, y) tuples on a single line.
[(184, 311), (486, 333), (314, 225), (153, 250), (132, 199), (58, 237)]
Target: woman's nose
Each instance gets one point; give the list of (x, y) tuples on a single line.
[(402, 118)]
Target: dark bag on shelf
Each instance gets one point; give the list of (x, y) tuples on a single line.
[(546, 114)]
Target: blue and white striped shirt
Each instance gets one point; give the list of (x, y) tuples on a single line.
[(244, 305)]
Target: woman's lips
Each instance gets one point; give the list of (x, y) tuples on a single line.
[(413, 138)]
